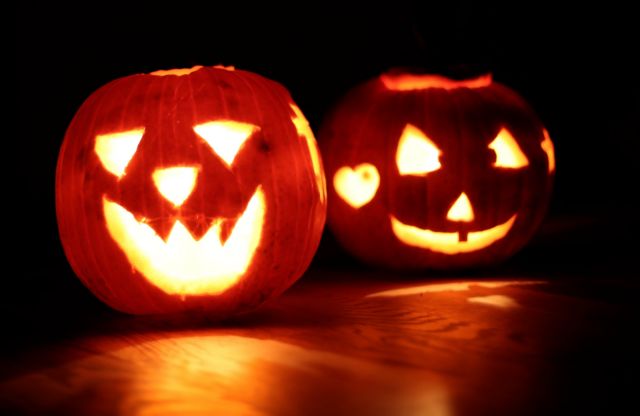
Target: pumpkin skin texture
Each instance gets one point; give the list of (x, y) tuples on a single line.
[(428, 172), (189, 190)]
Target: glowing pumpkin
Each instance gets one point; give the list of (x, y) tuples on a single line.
[(428, 172), (189, 189)]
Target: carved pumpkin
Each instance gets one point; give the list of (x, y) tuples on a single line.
[(427, 172), (194, 189)]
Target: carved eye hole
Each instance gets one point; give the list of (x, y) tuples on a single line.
[(416, 155), (225, 137), (115, 150), (508, 153), (357, 186)]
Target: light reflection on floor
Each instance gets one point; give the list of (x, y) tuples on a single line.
[(451, 287), (499, 301), (331, 348), (220, 374)]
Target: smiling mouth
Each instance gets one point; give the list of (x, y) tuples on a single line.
[(449, 243), (181, 265)]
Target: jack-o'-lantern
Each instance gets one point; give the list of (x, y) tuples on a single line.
[(191, 189), (429, 172)]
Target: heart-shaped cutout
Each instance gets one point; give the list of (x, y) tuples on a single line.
[(357, 186)]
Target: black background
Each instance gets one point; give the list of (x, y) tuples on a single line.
[(574, 65)]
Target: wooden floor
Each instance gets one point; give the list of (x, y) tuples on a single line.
[(352, 346)]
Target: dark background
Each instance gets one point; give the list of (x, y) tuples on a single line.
[(575, 66)]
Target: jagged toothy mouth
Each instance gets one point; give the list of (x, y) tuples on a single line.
[(182, 265)]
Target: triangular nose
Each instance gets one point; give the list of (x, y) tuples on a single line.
[(461, 210), (175, 183)]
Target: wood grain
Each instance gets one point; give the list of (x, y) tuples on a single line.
[(349, 346)]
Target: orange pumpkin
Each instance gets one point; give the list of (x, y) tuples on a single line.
[(429, 172), (194, 189)]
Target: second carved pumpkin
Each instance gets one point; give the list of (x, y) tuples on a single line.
[(428, 172)]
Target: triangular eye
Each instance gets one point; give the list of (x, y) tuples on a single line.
[(225, 137), (416, 155), (508, 153), (115, 150)]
